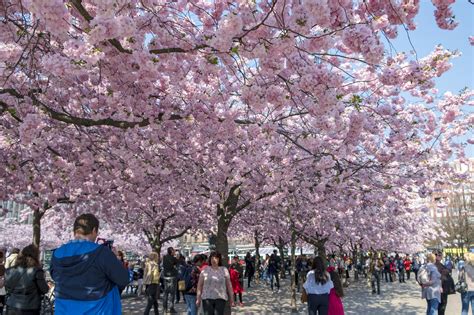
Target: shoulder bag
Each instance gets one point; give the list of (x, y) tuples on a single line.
[(461, 285)]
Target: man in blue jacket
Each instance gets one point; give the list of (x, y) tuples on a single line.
[(87, 274)]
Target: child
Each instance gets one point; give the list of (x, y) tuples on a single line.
[(236, 285)]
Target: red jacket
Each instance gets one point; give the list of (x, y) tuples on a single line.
[(407, 264), (234, 279)]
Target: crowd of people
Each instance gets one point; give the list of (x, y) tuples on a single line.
[(90, 278)]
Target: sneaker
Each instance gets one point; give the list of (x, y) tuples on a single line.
[(241, 304), (233, 304)]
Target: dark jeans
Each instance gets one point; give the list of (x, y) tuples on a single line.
[(408, 274), (213, 307), (170, 293), (250, 276), (275, 275), (376, 280), (318, 304), (152, 292), (416, 273), (401, 275), (387, 275), (442, 305)]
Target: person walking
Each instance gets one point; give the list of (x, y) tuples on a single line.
[(274, 266), (181, 267), (87, 275), (466, 275), (237, 287), (318, 284), (400, 268), (376, 265), (407, 265), (151, 279), (170, 273), (140, 275), (415, 266), (336, 294), (249, 268), (25, 283), (386, 268), (444, 282), (431, 289), (214, 287), (191, 279), (240, 270)]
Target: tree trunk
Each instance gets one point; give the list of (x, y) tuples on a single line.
[(257, 244), (37, 215), (282, 255), (157, 248), (355, 255), (292, 273), (321, 249), (222, 242)]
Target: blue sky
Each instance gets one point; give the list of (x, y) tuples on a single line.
[(428, 35)]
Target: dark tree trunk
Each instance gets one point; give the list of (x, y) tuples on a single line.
[(37, 215), (222, 242), (280, 247), (257, 244), (321, 249)]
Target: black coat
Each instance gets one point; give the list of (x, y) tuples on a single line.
[(24, 287)]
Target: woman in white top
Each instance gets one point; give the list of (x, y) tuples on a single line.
[(466, 274), (214, 287), (431, 290), (318, 285)]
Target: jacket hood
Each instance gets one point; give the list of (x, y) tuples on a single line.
[(75, 257)]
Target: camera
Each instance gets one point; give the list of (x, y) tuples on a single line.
[(105, 242)]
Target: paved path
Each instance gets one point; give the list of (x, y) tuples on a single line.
[(395, 298)]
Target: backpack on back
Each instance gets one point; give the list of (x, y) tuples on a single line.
[(188, 279), (423, 275)]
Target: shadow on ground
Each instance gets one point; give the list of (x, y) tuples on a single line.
[(395, 298)]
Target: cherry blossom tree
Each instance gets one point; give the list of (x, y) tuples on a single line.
[(239, 102)]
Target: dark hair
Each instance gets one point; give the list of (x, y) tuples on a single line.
[(170, 250), (197, 258), (15, 250), (320, 275), (337, 283), (215, 254), (248, 255), (85, 224), (28, 257)]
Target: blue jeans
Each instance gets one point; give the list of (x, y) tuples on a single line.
[(190, 304), (466, 298), (432, 308)]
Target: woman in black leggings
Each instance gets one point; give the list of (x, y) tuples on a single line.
[(214, 287)]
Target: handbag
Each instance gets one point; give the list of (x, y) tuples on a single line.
[(461, 285), (181, 285), (304, 296)]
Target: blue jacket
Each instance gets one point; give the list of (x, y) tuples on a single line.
[(86, 276)]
